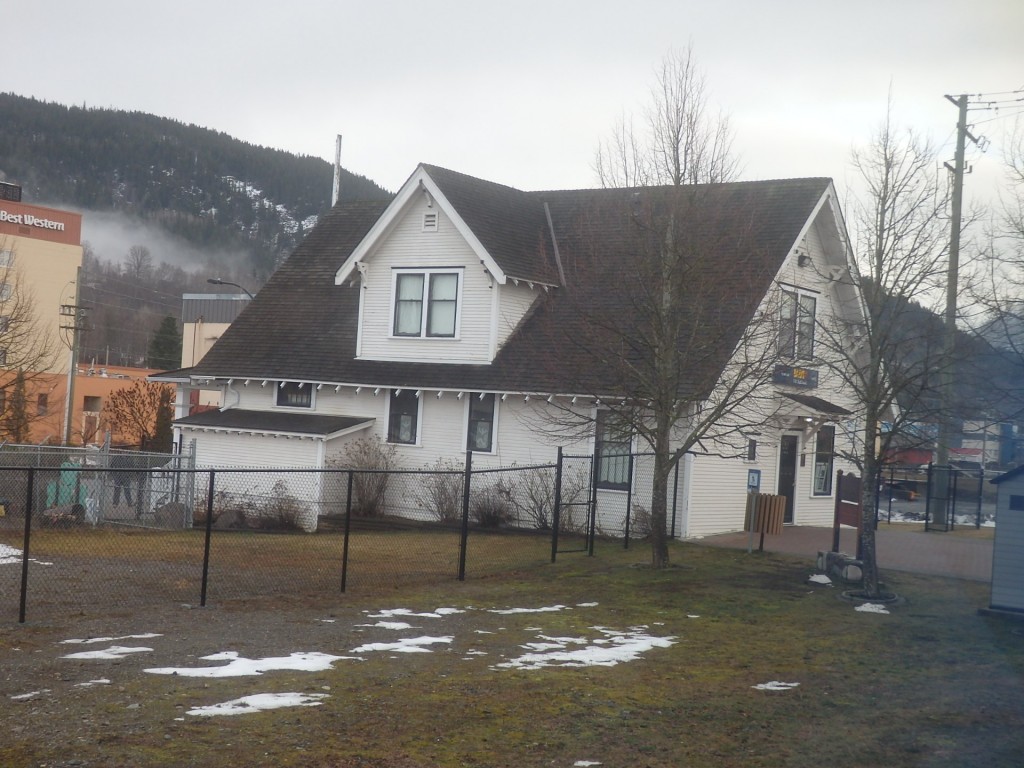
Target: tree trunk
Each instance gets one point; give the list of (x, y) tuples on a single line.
[(659, 507), (869, 483)]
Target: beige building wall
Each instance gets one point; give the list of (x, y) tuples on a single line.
[(40, 253)]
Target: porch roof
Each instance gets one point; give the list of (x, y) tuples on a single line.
[(275, 422)]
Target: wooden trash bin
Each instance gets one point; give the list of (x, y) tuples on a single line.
[(766, 513)]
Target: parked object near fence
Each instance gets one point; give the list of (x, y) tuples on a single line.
[(1008, 547), (766, 513)]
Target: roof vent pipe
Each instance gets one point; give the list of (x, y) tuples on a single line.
[(336, 192)]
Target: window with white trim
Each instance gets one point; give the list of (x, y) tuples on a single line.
[(824, 459), (480, 432), (403, 416), (426, 303), (6, 257), (796, 325), (611, 451), (293, 394)]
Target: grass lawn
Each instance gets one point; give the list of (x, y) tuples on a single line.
[(931, 683)]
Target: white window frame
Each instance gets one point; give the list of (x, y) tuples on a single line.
[(475, 396), (417, 427), (792, 326), (425, 302), (301, 386)]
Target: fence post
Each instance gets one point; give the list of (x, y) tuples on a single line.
[(592, 521), (464, 537), (556, 515), (629, 500), (25, 544), (348, 528), (209, 531), (981, 491)]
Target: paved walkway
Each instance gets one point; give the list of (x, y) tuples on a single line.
[(938, 553)]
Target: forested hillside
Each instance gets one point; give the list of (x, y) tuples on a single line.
[(237, 209)]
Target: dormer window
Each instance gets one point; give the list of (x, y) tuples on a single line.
[(426, 303)]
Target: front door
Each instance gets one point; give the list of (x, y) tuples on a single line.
[(787, 471)]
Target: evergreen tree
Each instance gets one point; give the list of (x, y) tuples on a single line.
[(165, 346), (163, 432)]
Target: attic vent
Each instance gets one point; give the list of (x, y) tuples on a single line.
[(430, 221)]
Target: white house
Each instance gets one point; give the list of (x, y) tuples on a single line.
[(443, 321)]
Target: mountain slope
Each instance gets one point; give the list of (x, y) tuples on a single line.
[(200, 184)]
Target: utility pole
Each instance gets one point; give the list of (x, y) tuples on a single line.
[(76, 314), (947, 379)]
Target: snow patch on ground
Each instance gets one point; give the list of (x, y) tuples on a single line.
[(820, 578), (113, 653), (259, 702), (10, 556), (510, 611), (29, 695), (408, 645), (775, 685), (606, 651), (91, 683), (872, 608), (239, 666), (392, 612)]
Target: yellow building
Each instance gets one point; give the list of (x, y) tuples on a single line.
[(40, 254)]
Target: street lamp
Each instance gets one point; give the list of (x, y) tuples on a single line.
[(218, 281)]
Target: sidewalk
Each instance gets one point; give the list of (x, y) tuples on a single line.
[(937, 553)]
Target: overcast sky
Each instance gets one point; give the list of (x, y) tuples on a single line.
[(522, 91)]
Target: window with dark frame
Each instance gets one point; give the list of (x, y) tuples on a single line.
[(292, 394), (824, 459), (403, 416), (438, 292), (796, 326), (3, 400), (480, 433), (42, 404), (611, 450), (751, 449)]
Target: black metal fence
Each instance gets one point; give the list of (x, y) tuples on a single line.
[(113, 535), (941, 497)]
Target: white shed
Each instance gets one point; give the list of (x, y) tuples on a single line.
[(1008, 552)]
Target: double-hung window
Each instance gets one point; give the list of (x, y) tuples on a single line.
[(292, 394), (427, 303), (796, 325), (824, 457), (403, 416), (612, 449), (480, 433)]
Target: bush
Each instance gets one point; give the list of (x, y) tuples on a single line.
[(442, 489), (369, 487), (639, 522), (491, 506)]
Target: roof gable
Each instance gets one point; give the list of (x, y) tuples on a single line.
[(504, 227)]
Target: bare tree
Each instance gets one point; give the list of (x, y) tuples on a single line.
[(139, 262), (134, 413), (901, 235), (679, 140), (29, 349)]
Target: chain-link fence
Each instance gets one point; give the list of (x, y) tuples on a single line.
[(128, 530)]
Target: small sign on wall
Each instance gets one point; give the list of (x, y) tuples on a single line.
[(753, 480)]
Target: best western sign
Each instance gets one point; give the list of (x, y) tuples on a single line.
[(31, 221), (39, 223)]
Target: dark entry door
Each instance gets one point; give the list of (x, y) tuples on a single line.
[(787, 471)]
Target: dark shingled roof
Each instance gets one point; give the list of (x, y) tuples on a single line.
[(272, 421), (818, 404), (303, 327)]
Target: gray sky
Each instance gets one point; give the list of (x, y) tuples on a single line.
[(521, 92)]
